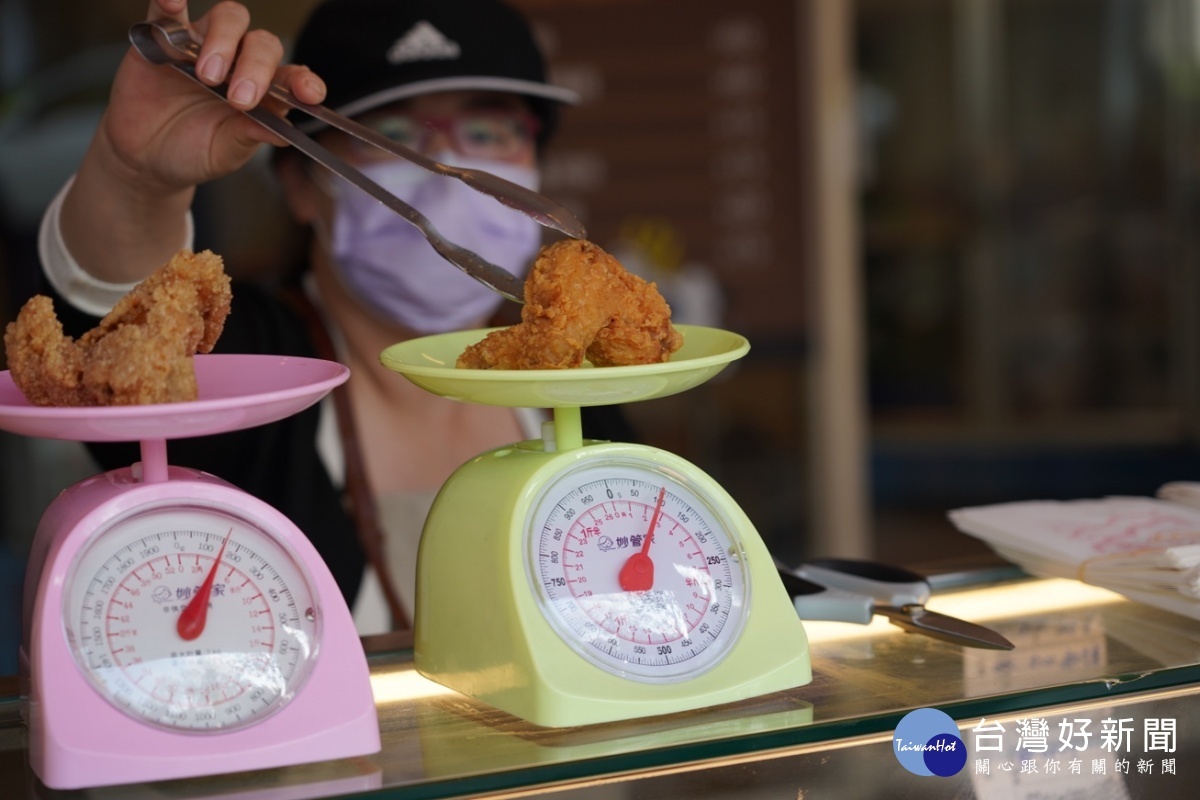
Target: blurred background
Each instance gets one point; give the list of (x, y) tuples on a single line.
[(959, 234)]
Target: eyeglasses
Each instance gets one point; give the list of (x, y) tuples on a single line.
[(500, 136)]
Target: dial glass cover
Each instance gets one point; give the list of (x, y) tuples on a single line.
[(191, 617), (637, 569)]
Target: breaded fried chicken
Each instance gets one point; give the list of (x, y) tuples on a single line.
[(141, 352), (580, 302)]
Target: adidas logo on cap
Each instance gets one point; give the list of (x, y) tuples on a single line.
[(423, 42)]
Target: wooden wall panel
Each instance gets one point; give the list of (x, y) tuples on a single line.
[(690, 119)]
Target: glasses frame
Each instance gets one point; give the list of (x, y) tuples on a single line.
[(449, 126)]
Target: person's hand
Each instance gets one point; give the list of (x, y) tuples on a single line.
[(167, 133), (162, 135)]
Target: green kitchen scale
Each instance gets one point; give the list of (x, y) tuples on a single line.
[(570, 581)]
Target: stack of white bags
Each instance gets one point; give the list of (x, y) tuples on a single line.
[(1147, 549)]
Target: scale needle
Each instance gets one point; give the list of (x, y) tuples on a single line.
[(191, 621), (637, 574)]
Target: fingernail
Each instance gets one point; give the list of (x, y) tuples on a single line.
[(315, 85), (213, 68), (243, 93)]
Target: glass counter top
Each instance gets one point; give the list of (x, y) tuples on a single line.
[(1074, 643)]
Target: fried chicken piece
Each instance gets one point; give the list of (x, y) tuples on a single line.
[(573, 290), (46, 365), (640, 333), (580, 302), (141, 352)]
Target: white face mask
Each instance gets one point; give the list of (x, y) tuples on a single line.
[(389, 266)]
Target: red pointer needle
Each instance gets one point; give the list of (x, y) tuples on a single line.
[(191, 621), (637, 575)]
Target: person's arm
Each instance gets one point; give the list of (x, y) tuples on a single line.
[(125, 213)]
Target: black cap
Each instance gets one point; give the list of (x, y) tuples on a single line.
[(374, 52)]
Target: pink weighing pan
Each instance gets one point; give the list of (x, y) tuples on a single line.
[(236, 391)]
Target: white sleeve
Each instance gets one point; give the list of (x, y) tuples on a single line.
[(76, 286)]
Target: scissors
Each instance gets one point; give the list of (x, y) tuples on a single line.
[(850, 590)]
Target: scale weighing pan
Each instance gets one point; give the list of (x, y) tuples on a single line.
[(236, 391), (429, 363)]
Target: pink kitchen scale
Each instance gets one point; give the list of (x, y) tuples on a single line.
[(173, 625)]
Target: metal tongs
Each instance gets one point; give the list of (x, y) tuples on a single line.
[(172, 44)]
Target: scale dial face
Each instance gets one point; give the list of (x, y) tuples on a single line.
[(637, 569), (162, 655)]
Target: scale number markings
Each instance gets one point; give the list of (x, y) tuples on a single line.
[(638, 574), (255, 641)]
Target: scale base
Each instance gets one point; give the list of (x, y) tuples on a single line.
[(74, 759), (479, 631)]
